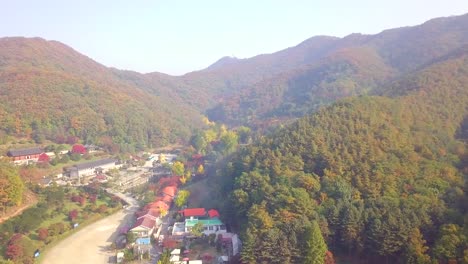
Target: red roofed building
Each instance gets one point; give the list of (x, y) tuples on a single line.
[(213, 213), (143, 227), (193, 213), (169, 190), (158, 205), (43, 158), (78, 148), (151, 213)]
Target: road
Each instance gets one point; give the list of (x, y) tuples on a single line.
[(90, 244)]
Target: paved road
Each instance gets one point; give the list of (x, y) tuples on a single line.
[(90, 244)]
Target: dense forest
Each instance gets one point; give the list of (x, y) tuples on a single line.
[(384, 178), (49, 91)]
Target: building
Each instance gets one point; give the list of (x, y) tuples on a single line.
[(143, 227), (91, 168), (210, 226), (26, 155), (209, 219)]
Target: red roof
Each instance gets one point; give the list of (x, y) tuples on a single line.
[(169, 190), (145, 222), (157, 205), (150, 212), (194, 212), (213, 213)]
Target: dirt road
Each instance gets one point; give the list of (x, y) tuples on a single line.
[(90, 245)]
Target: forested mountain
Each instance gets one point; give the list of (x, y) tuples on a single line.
[(48, 90), (384, 178), (51, 91), (301, 79)]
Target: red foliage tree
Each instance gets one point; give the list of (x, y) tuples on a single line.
[(78, 149), (43, 158), (14, 251), (43, 234), (72, 215), (92, 198), (329, 259)]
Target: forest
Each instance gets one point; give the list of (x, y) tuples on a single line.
[(383, 178)]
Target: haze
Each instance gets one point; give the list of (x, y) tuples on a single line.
[(176, 37)]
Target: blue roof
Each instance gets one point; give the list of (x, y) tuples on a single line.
[(143, 241)]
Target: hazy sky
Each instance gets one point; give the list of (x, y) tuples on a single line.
[(175, 36)]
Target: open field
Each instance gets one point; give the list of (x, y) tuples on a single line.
[(91, 244)]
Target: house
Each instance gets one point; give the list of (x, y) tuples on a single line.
[(26, 155), (143, 227), (210, 226), (152, 214), (91, 168), (157, 205)]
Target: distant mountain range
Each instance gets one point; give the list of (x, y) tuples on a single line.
[(49, 90)]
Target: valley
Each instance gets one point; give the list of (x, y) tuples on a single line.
[(336, 150)]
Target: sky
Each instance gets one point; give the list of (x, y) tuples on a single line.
[(176, 37)]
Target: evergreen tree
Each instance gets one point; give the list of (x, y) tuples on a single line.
[(315, 247)]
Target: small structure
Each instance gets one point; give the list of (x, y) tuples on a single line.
[(26, 155), (143, 241), (143, 227), (120, 257)]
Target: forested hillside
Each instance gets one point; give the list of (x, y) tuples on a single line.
[(385, 179), (49, 91), (301, 79)]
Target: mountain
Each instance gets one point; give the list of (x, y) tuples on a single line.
[(385, 178), (317, 72), (51, 91), (48, 90)]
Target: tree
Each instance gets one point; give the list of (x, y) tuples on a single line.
[(416, 249), (12, 187), (197, 229), (182, 198), (178, 168), (131, 237), (43, 234), (449, 242), (72, 215), (200, 170), (165, 257), (315, 247)]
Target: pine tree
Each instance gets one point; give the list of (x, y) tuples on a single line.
[(315, 247)]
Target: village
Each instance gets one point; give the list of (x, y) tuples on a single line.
[(160, 228)]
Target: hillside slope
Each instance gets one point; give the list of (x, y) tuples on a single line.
[(299, 80), (48, 90), (385, 178)]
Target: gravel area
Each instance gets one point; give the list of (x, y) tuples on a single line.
[(91, 244)]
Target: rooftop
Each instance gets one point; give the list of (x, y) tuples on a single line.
[(194, 212), (213, 213), (145, 222), (143, 241), (25, 151), (207, 222), (93, 164)]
